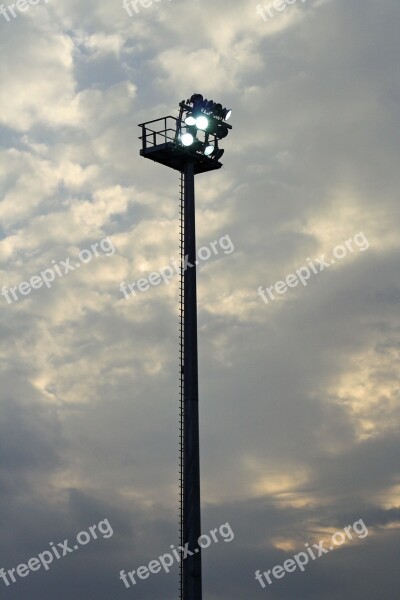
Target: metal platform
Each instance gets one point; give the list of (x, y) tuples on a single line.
[(160, 144)]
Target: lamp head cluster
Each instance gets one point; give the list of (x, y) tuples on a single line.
[(209, 107), (203, 124)]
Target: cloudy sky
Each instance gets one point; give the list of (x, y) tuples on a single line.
[(299, 395)]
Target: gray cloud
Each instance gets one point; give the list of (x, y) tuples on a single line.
[(299, 398)]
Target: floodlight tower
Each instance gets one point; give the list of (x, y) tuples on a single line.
[(189, 144)]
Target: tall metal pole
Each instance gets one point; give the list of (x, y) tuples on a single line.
[(201, 157), (191, 525)]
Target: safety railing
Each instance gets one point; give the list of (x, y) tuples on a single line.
[(162, 131)]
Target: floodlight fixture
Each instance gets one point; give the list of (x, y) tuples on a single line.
[(218, 110), (190, 120), (197, 101), (187, 139), (201, 122), (195, 98), (205, 121), (222, 131)]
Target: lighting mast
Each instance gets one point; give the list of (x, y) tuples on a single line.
[(189, 144)]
